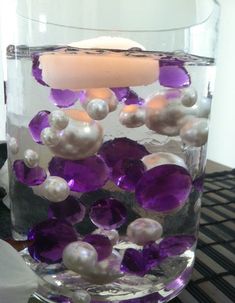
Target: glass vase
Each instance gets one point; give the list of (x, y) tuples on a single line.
[(107, 124)]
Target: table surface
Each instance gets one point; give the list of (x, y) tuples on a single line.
[(213, 279)]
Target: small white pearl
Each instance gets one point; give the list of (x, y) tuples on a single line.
[(97, 109), (112, 234), (55, 189), (50, 137), (195, 132), (81, 296), (161, 158), (163, 115), (203, 107), (13, 145), (80, 257), (144, 230), (132, 116), (31, 158), (105, 94), (189, 97), (82, 138), (58, 119), (105, 271)]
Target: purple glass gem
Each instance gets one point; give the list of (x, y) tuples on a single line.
[(108, 213), (37, 124), (164, 188), (173, 73), (29, 176), (64, 98), (127, 172), (60, 299), (176, 245), (101, 243), (121, 148), (121, 93), (133, 98), (133, 262), (83, 175), (36, 71), (70, 210), (152, 255), (50, 238)]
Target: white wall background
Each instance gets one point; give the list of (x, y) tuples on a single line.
[(222, 134)]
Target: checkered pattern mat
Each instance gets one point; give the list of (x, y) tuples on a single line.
[(213, 278)]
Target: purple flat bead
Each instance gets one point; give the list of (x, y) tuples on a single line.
[(121, 93), (64, 98), (134, 262), (83, 175), (127, 172), (101, 243), (50, 238), (108, 213), (70, 210), (37, 124), (152, 255), (173, 74), (60, 299), (164, 188), (133, 98), (176, 245), (36, 70), (29, 176), (121, 148)]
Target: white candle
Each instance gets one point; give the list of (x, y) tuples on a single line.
[(80, 71)]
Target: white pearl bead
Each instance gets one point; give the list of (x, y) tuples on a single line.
[(58, 119), (50, 137), (31, 158), (97, 109), (163, 115), (195, 132), (112, 234), (13, 145), (82, 138), (80, 257), (55, 189), (105, 271), (105, 94), (189, 97), (144, 230), (161, 158), (132, 116), (203, 108), (81, 296)]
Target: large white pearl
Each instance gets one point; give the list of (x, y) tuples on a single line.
[(50, 137), (31, 158), (132, 116), (81, 296), (105, 94), (189, 97), (82, 138), (58, 119), (163, 115), (81, 257), (97, 109), (144, 230), (161, 158), (195, 132), (105, 271), (55, 189), (112, 234), (13, 145)]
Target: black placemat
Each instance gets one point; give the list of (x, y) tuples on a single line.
[(213, 278)]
